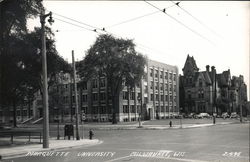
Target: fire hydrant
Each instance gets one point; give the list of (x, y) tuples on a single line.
[(91, 134)]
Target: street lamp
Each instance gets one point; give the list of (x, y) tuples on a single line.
[(45, 81)]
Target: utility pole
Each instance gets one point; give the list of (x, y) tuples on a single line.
[(76, 97), (45, 81), (240, 102)]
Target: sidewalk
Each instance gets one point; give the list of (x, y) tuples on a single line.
[(12, 151), (149, 124)]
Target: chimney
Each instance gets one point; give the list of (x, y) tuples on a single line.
[(213, 74), (207, 67)]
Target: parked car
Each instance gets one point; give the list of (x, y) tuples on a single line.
[(225, 115), (191, 115), (203, 115), (234, 115), (179, 116)]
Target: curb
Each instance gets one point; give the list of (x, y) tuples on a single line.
[(23, 153), (149, 127)]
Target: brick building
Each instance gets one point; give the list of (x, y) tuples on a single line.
[(207, 91), (155, 97)]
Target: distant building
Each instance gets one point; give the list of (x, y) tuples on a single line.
[(207, 91)]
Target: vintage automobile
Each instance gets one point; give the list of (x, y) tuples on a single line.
[(225, 115), (203, 115)]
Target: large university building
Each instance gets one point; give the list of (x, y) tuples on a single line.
[(156, 97)]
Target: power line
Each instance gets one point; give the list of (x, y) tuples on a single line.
[(200, 22), (181, 23), (75, 25), (77, 21), (104, 30), (136, 18)]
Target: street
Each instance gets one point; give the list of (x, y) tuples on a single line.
[(215, 143)]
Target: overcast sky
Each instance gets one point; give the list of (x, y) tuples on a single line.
[(215, 33)]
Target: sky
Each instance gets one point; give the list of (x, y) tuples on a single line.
[(215, 33)]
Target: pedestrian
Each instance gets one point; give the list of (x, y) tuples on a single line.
[(170, 123), (91, 134)]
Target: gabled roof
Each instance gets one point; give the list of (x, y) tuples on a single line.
[(205, 75), (190, 63)]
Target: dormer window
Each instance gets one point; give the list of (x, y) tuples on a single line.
[(200, 83)]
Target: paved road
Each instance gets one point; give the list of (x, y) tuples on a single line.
[(217, 143)]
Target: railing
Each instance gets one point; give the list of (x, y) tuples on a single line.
[(13, 134)]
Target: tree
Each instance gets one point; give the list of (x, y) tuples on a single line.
[(20, 53), (13, 18), (115, 59)]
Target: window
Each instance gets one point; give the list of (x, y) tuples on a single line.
[(125, 108), (151, 97), (190, 80), (162, 97), (95, 96), (174, 77), (125, 95), (170, 76), (175, 88), (139, 95), (156, 73), (151, 72), (102, 96), (166, 75), (151, 85), (18, 113), (132, 95), (162, 108), (200, 83), (161, 86), (84, 85), (73, 99), (166, 87), (102, 82), (94, 83), (24, 112), (133, 108), (146, 89), (156, 97), (202, 94), (189, 95), (84, 109), (166, 97), (161, 74), (103, 110), (84, 98)]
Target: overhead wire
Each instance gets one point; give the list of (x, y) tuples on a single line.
[(199, 21), (91, 26), (75, 25), (193, 31), (136, 18), (97, 31)]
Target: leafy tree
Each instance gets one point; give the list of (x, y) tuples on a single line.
[(20, 53), (117, 60), (13, 18)]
